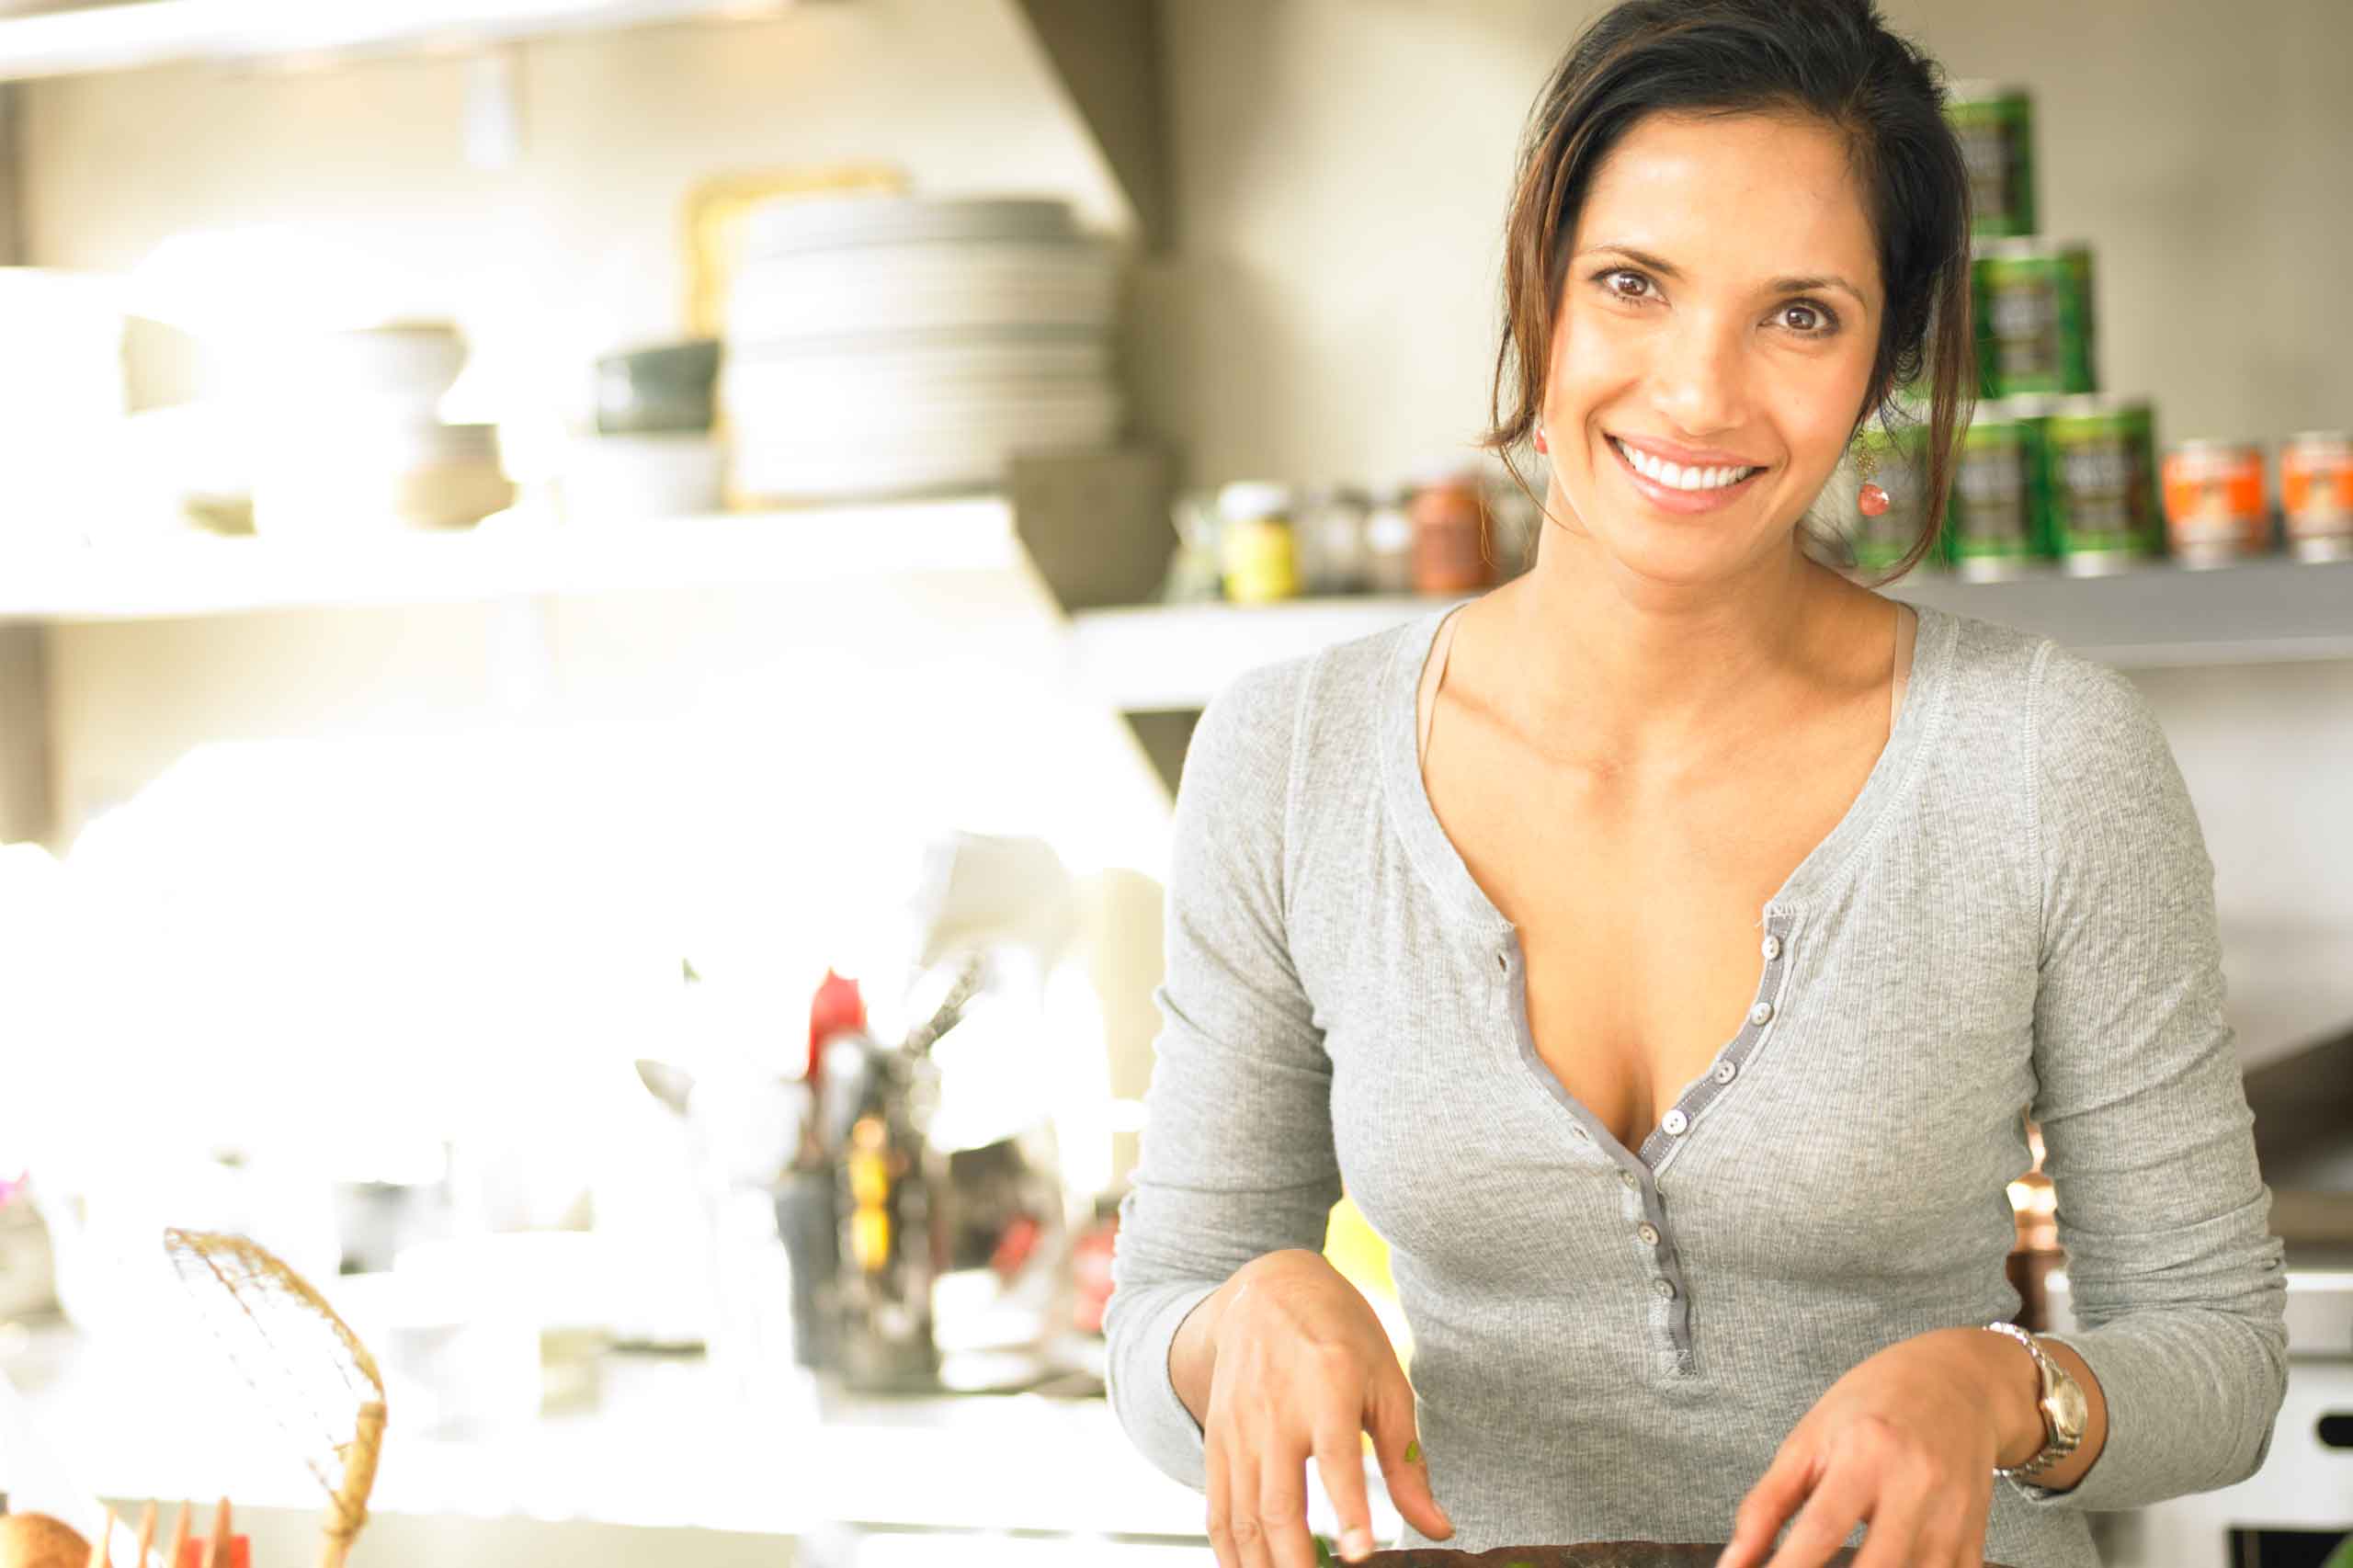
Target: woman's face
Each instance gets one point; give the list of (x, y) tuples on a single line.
[(1713, 343)]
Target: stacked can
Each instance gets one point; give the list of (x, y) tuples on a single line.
[(1995, 125), (1999, 512), (2034, 317), (2100, 460)]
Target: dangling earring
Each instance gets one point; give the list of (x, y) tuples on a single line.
[(1870, 500), (1541, 444)]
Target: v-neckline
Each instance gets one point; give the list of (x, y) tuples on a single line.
[(1442, 868)]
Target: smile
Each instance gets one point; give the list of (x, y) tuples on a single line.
[(1674, 487), (1674, 476)]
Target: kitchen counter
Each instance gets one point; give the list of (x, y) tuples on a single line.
[(666, 1444)]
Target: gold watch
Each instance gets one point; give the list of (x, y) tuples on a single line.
[(2065, 1411)]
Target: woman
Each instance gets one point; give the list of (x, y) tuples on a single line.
[(1665, 947)]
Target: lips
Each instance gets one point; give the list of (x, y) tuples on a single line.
[(1654, 488)]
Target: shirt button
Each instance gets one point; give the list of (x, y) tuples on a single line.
[(1675, 1122), (1772, 949), (1725, 1071), (1662, 1288), (1648, 1232), (1761, 1014), (1628, 1181)]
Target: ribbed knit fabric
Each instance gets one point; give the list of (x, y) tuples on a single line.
[(2017, 909)]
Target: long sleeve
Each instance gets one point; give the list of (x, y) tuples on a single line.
[(2177, 1283), (1237, 1158)]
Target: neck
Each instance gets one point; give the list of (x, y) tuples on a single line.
[(1645, 667)]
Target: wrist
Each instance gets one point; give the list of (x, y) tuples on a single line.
[(2004, 1372), (2016, 1383)]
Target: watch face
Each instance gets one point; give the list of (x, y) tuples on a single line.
[(2070, 1412)]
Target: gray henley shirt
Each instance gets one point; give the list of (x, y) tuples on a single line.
[(2015, 915)]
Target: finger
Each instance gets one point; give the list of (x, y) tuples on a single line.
[(1339, 1459), (1221, 1500), (1900, 1518), (1396, 1443), (1242, 1501), (1840, 1503), (1282, 1506), (1778, 1493)]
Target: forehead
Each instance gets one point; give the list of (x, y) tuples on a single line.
[(1766, 194)]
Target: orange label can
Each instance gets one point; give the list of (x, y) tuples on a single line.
[(2317, 494), (2215, 511)]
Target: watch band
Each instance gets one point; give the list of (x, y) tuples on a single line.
[(2058, 1441)]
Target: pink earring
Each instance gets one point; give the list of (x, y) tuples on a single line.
[(1870, 500), (1541, 444)]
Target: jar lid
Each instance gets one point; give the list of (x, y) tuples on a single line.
[(1245, 499)]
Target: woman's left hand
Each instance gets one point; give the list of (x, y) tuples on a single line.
[(1907, 1444)]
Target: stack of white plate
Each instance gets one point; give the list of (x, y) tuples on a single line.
[(890, 344), (353, 436)]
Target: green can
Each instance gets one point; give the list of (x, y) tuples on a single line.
[(2033, 310), (1994, 124), (2078, 256), (1998, 511), (2104, 484)]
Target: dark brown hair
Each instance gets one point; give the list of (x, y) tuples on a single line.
[(1834, 60)]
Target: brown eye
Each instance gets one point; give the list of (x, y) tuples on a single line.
[(1810, 321), (1628, 284)]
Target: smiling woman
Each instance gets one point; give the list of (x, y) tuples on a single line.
[(1667, 948), (1745, 222)]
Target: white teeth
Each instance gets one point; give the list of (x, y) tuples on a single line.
[(1674, 476)]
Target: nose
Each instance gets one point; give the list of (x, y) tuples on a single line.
[(1698, 374)]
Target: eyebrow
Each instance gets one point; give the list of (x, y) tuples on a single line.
[(1665, 268)]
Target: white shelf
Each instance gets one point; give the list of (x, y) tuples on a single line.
[(2258, 612), (132, 33), (199, 575), (1154, 658)]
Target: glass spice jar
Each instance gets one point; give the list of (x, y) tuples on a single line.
[(1388, 544), (1260, 550), (1449, 518)]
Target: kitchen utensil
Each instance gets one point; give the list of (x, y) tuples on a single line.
[(309, 1368), (178, 1542), (146, 1533), (653, 391), (102, 1549)]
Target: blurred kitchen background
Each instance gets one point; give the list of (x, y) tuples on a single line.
[(600, 601)]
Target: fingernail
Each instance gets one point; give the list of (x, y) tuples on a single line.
[(1355, 1545)]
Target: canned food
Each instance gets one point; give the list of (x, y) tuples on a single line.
[(1997, 515), (2214, 510), (1260, 555), (2317, 494), (1994, 124), (2102, 484), (2033, 317)]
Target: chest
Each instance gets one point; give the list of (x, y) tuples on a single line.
[(1639, 904)]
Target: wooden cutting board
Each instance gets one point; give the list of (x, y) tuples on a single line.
[(1591, 1554)]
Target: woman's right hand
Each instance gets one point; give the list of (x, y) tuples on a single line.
[(1296, 1367)]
